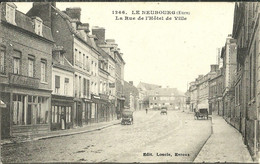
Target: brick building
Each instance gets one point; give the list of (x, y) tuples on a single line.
[(246, 80), (25, 72)]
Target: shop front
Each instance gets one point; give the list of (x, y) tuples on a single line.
[(61, 112), (27, 111), (77, 112), (86, 112)]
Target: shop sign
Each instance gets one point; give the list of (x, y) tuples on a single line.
[(24, 81)]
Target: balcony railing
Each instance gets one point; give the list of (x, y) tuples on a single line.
[(24, 81)]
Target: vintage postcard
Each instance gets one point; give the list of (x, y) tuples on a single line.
[(125, 82)]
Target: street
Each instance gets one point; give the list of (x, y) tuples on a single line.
[(175, 137)]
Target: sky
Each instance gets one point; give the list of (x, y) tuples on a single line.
[(164, 52)]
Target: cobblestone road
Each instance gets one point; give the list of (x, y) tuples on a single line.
[(151, 133)]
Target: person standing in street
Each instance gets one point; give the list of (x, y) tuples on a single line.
[(146, 110)]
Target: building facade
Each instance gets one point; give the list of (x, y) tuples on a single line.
[(25, 72), (166, 97), (62, 103), (215, 93), (131, 95), (246, 82)]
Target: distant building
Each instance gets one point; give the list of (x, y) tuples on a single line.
[(131, 95), (215, 93), (143, 88), (228, 54), (202, 83), (166, 97), (193, 96)]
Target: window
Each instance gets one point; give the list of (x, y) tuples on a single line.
[(37, 25), (68, 114), (84, 61), (16, 67), (61, 59), (42, 111), (30, 67), (80, 87), (27, 108), (84, 87), (100, 87), (76, 57), (76, 85), (87, 89), (79, 60), (10, 12), (43, 71), (57, 84), (66, 86), (21, 114), (2, 61)]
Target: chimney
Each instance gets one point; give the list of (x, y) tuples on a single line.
[(43, 11), (84, 26), (131, 82), (213, 68), (74, 13), (100, 34)]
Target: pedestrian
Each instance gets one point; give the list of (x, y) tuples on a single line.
[(146, 110)]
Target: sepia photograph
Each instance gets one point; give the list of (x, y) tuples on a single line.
[(129, 82)]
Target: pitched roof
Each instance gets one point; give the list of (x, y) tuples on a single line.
[(164, 92), (146, 86), (74, 31), (26, 23)]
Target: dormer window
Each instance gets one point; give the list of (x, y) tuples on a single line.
[(37, 25), (10, 12), (61, 59)]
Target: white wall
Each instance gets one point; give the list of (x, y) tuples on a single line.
[(63, 74)]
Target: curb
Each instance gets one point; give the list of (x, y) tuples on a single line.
[(61, 135), (205, 141)]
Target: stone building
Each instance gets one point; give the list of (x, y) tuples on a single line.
[(193, 96), (25, 72), (215, 93), (166, 97), (143, 89), (62, 90), (246, 81), (228, 54), (90, 63), (115, 69), (131, 95)]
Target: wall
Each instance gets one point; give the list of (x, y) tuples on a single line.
[(63, 74)]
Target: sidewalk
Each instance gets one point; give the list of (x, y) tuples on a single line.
[(224, 145), (60, 133)]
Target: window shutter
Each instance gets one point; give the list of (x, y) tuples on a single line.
[(57, 81), (87, 87), (84, 87)]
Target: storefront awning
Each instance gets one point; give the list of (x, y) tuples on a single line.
[(2, 104)]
